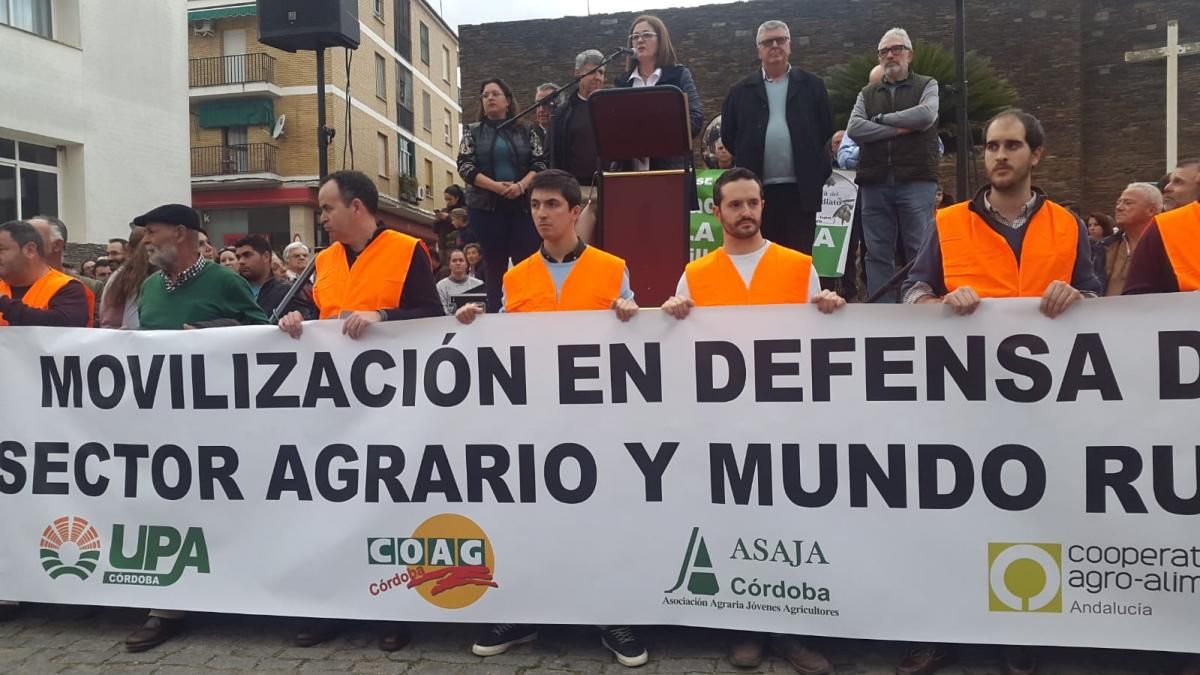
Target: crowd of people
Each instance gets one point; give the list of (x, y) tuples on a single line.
[(521, 238)]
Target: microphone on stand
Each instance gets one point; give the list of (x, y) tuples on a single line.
[(624, 51)]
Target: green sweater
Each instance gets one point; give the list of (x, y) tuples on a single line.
[(214, 294)]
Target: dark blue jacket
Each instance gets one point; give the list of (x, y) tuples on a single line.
[(744, 121)]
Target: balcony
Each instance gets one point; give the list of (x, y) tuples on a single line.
[(249, 163), (232, 76)]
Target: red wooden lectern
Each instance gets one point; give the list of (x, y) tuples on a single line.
[(645, 214)]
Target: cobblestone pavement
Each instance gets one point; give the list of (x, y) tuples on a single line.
[(53, 639)]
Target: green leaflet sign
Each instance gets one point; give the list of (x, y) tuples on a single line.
[(833, 222), (706, 232)]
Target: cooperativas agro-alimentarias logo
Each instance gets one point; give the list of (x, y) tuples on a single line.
[(1025, 577)]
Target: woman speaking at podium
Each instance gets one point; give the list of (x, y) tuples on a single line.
[(654, 63)]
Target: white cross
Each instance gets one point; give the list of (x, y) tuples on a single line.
[(1171, 53)]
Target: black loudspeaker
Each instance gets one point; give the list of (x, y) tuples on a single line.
[(293, 25)]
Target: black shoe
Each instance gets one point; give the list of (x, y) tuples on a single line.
[(395, 636), (153, 633), (9, 612), (315, 632), (500, 637), (621, 641)]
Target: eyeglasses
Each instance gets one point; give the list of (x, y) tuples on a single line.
[(897, 50), (774, 42), (491, 94), (642, 37)]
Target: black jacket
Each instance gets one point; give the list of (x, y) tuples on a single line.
[(272, 292), (475, 157), (810, 123), (676, 76)]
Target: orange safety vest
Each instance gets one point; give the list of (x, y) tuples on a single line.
[(43, 291), (1180, 231), (374, 283), (781, 278), (975, 255), (594, 283)]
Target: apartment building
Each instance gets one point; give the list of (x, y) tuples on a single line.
[(254, 118), (93, 124)]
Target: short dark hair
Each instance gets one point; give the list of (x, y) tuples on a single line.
[(451, 252), (457, 192), (259, 244), (731, 175), (355, 185), (117, 240), (1106, 221), (103, 262), (559, 181), (1035, 135), (24, 234)]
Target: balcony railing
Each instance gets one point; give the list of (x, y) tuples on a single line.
[(226, 160), (240, 69)]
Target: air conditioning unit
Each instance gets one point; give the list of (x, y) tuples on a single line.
[(203, 28), (423, 192)]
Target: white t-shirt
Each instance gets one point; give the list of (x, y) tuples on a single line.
[(746, 264)]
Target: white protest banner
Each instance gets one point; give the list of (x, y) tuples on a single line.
[(885, 472)]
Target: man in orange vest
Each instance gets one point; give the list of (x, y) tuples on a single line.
[(564, 275), (1009, 241), (370, 273), (34, 294), (749, 270), (31, 292), (1167, 260)]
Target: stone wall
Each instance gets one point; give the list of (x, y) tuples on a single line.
[(1104, 119)]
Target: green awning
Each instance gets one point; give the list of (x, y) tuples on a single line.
[(242, 113), (222, 12)]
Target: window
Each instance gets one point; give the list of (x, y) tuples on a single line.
[(380, 77), (408, 163), (404, 97), (382, 142), (446, 63), (446, 126), (237, 150), (34, 16), (379, 9), (28, 180), (403, 14), (426, 112), (429, 175), (424, 44)]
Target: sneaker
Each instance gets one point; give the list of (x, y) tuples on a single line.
[(500, 637), (621, 641)]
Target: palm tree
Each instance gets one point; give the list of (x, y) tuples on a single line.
[(988, 92)]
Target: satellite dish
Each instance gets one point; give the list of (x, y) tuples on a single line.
[(278, 131)]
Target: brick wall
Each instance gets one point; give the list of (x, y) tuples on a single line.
[(1104, 119)]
